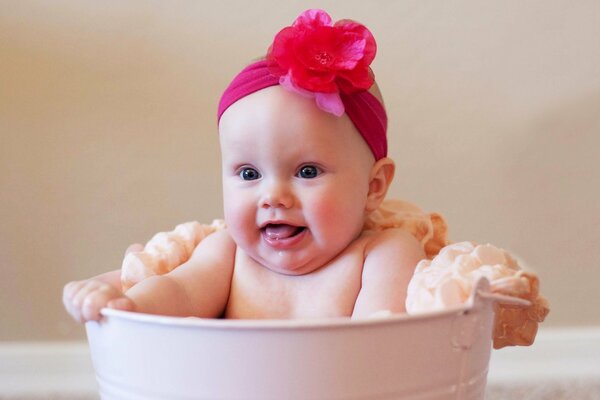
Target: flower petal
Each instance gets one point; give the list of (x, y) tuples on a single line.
[(315, 50), (350, 50), (354, 27), (279, 52), (287, 82), (315, 81), (313, 18), (316, 55), (330, 102), (357, 79)]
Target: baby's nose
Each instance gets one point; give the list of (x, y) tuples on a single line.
[(277, 194)]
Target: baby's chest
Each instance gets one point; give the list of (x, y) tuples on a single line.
[(328, 292)]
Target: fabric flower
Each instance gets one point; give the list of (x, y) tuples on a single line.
[(320, 59), (449, 280)]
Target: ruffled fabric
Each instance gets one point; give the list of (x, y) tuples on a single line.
[(517, 326), (165, 251), (430, 229), (448, 280)]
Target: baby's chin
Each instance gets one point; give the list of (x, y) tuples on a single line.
[(287, 267), (305, 257), (288, 262)]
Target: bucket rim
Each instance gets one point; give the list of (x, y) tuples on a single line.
[(279, 324), (471, 305)]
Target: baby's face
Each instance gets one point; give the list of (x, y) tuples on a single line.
[(295, 180)]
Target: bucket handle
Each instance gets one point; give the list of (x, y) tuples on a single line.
[(500, 298)]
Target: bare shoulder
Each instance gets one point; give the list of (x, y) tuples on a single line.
[(391, 255), (390, 260), (216, 246), (215, 252), (396, 243)]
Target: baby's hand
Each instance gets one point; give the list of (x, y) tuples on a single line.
[(84, 299)]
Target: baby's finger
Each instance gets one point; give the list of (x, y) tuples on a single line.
[(74, 295), (69, 292), (86, 307), (83, 290), (96, 300), (71, 289)]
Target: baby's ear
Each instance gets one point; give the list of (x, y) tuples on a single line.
[(380, 179)]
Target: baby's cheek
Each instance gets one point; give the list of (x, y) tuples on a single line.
[(334, 215), (235, 219), (240, 217), (328, 213), (345, 213)]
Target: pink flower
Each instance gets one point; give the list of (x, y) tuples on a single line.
[(318, 58)]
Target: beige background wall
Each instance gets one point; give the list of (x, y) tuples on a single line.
[(107, 131)]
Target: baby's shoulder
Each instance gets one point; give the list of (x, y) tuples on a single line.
[(390, 248), (218, 246), (391, 239), (391, 256)]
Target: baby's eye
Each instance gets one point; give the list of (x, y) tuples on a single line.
[(249, 174), (309, 172)]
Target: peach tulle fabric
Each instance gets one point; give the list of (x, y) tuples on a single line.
[(430, 229), (449, 279), (444, 279)]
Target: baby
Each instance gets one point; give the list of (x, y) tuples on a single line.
[(304, 165)]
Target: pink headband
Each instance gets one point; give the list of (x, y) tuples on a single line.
[(339, 80)]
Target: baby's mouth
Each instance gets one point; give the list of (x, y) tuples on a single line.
[(281, 231)]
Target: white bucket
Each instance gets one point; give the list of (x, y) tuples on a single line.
[(439, 355)]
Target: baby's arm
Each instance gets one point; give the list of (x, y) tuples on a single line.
[(199, 287), (208, 272), (390, 261)]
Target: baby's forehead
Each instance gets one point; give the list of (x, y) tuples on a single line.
[(279, 99), (275, 115), (275, 104), (307, 143)]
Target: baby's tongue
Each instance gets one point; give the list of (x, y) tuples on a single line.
[(280, 231)]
